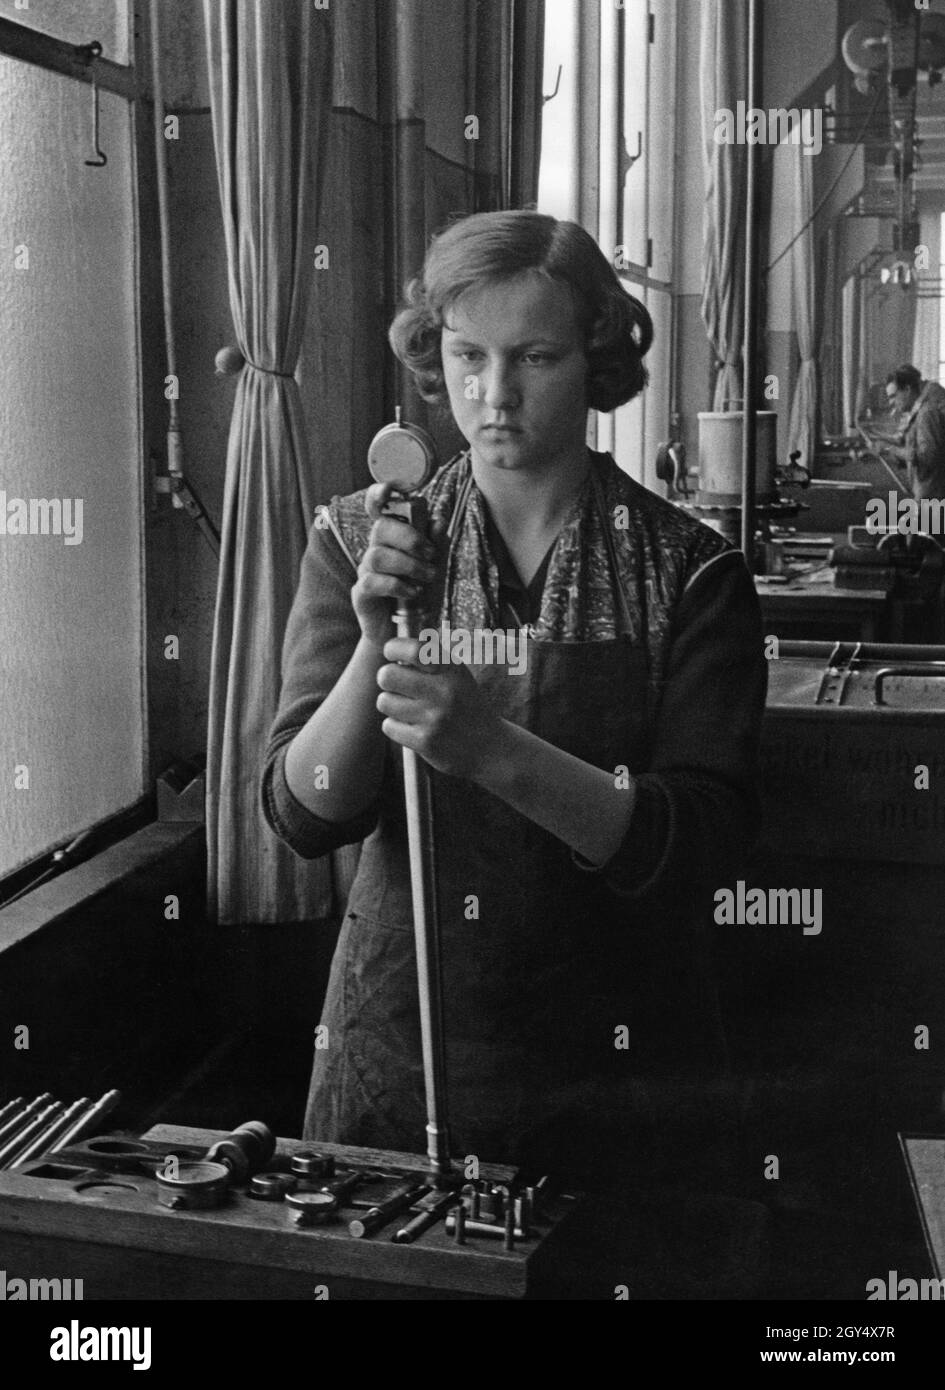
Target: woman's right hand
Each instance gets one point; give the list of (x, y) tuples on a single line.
[(398, 564)]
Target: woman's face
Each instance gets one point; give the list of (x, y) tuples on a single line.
[(515, 370)]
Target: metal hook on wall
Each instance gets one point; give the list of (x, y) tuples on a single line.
[(91, 51), (552, 95)]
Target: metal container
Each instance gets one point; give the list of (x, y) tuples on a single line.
[(853, 752), (720, 457)]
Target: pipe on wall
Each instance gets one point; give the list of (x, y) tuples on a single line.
[(409, 151), (749, 387), (175, 450)]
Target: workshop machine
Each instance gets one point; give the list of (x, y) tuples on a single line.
[(713, 493)]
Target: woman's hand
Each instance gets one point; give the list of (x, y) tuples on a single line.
[(438, 711), (397, 564)]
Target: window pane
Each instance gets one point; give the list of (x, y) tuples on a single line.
[(662, 138), (636, 54), (557, 174), (70, 599), (76, 21)]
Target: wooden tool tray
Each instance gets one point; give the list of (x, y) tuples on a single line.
[(60, 1197)]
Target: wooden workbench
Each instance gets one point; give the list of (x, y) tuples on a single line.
[(824, 611)]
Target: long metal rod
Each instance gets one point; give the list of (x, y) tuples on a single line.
[(23, 1116), (175, 449), (31, 46), (43, 1140), (421, 841), (89, 1121), (10, 1107), (749, 388), (409, 170), (35, 1126)]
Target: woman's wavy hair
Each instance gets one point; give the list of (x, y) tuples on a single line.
[(493, 246)]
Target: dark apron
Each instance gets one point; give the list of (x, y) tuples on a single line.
[(541, 963)]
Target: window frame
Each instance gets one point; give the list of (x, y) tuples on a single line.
[(32, 46), (601, 163)]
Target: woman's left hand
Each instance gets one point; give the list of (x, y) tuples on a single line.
[(438, 711)]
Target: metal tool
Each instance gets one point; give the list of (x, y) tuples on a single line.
[(430, 1216), (313, 1208), (92, 51), (192, 1186), (205, 1183), (15, 1145), (379, 1216), (23, 1116), (404, 456), (88, 1122), (510, 1223), (272, 1187), (345, 1183), (312, 1168), (9, 1108), (496, 1210), (482, 1228), (42, 1141), (244, 1150)]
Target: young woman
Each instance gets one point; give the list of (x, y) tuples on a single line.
[(586, 805)]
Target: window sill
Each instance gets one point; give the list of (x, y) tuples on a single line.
[(77, 888)]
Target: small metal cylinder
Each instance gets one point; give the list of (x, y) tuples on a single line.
[(482, 1228), (314, 1168), (509, 1223), (272, 1187), (193, 1186), (313, 1208)]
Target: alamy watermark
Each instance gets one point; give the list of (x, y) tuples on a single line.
[(893, 1289), (77, 1343), (907, 515), (784, 907), (779, 125), (480, 646), (42, 516), (13, 1290)]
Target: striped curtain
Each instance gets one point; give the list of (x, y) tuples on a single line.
[(723, 80), (270, 76)]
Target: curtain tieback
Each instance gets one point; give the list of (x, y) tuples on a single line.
[(229, 361)]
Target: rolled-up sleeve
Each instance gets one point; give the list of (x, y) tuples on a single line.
[(697, 806), (321, 635)]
